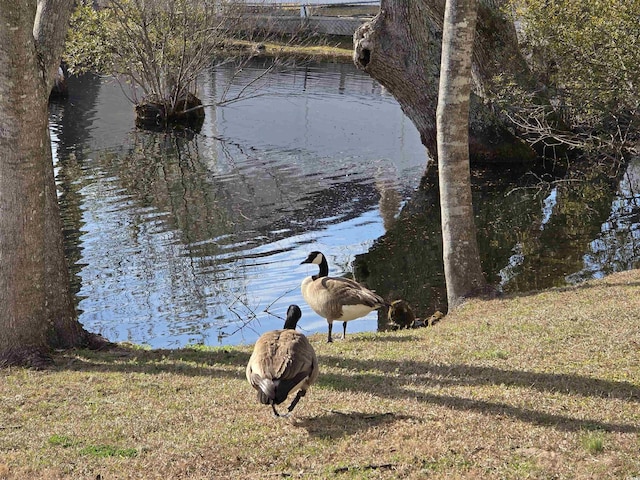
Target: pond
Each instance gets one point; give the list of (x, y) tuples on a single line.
[(196, 238)]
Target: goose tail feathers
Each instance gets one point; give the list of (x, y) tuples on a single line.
[(266, 389)]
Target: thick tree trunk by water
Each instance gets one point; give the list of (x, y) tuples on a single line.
[(37, 310), (401, 49), (462, 268)]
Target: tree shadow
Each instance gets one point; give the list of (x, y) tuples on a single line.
[(395, 388), (535, 417), (382, 378), (184, 361), (404, 375), (469, 375)]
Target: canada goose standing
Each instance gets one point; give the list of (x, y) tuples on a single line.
[(337, 298), (282, 362)]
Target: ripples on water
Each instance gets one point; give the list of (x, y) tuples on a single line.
[(182, 239), (179, 240)]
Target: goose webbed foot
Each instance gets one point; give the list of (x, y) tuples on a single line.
[(275, 412)]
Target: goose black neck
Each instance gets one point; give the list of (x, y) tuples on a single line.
[(324, 268), (293, 315), (291, 324)]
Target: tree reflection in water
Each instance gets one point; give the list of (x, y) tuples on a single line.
[(178, 238)]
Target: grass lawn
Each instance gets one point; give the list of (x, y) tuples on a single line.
[(326, 51), (544, 385)]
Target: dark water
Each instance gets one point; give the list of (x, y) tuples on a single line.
[(177, 239)]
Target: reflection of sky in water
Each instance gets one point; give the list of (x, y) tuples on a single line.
[(133, 292), (302, 168), (142, 281), (617, 248), (547, 210), (512, 267)]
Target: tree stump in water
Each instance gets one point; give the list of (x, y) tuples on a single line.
[(187, 112)]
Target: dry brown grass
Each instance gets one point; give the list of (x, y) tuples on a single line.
[(543, 386), (322, 52)]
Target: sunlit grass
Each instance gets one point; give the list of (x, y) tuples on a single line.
[(104, 451), (535, 386), (593, 442), (273, 49)]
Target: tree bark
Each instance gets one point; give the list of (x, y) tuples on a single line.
[(22, 222), (462, 268), (401, 48), (49, 31), (37, 308)]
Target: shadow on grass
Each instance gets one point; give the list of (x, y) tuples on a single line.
[(184, 361), (384, 386), (461, 374), (382, 378), (335, 424), (395, 383)]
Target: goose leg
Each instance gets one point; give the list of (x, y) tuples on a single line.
[(344, 330), (329, 339), (275, 412), (299, 395)]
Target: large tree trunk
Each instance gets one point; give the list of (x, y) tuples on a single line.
[(401, 49), (462, 268), (22, 215), (37, 310)]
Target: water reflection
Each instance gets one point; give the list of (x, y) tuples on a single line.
[(178, 239), (617, 246), (532, 234)]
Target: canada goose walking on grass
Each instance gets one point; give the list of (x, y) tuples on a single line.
[(282, 362), (337, 298)]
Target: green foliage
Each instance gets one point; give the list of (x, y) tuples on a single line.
[(60, 441), (587, 54), (88, 46), (589, 47), (158, 47)]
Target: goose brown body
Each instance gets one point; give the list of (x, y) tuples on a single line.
[(282, 362), (337, 298)]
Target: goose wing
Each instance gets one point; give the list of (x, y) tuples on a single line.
[(282, 361), (349, 292), (295, 360)]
